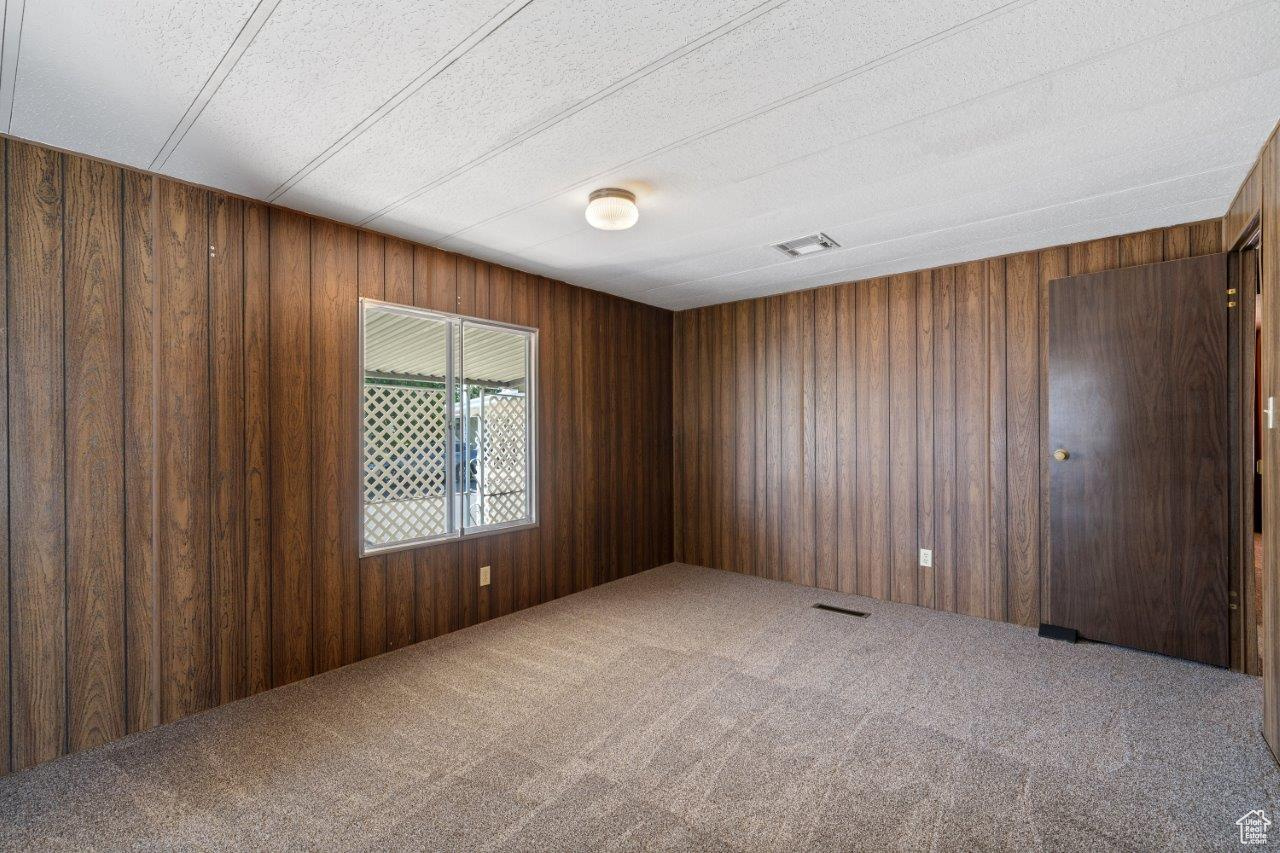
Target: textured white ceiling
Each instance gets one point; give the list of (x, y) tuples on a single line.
[(914, 133)]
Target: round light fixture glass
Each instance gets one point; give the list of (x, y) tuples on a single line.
[(612, 209)]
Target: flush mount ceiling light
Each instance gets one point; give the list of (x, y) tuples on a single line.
[(612, 209)]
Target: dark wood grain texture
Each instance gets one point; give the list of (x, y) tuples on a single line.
[(872, 448), (37, 514), (292, 655), (5, 627), (925, 400), (903, 482), (227, 439), (142, 637), (182, 414), (826, 407), (333, 290), (1125, 568), (1022, 422), (94, 395), (258, 509), (183, 449)]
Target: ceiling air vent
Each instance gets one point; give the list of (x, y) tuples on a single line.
[(808, 245)]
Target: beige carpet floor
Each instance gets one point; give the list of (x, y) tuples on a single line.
[(686, 708)]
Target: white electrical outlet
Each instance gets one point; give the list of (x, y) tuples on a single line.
[(484, 576), (926, 557)]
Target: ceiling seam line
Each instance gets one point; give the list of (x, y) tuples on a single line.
[(4, 35), (404, 93), (856, 72), (591, 100), (865, 67), (1082, 63), (887, 129), (247, 33), (9, 85)]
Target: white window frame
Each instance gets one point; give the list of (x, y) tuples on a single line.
[(455, 531)]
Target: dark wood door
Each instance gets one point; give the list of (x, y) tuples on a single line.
[(1138, 508)]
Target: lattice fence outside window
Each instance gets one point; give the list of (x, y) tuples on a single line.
[(503, 449), (406, 450)]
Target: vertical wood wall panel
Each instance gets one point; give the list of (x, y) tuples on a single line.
[(872, 493), (826, 407), (257, 446), (725, 394), (702, 504), (586, 382), (181, 430), (891, 415), (227, 431), (1022, 323), (972, 520), (290, 456), (776, 464), (37, 512), (4, 481), (794, 502), (94, 349), (926, 583), (944, 439), (745, 435), (142, 638), (902, 496), (1246, 207), (846, 370), (997, 446), (182, 437), (333, 289)]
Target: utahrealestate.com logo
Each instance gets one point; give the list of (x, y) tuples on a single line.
[(1253, 827)]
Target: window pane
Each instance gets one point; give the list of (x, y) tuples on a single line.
[(406, 430), (493, 417)]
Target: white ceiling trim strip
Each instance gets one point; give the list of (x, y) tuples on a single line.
[(10, 47), (960, 106), (639, 74), (864, 68), (252, 26), (410, 89)]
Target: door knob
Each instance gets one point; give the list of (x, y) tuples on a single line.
[(1061, 455)]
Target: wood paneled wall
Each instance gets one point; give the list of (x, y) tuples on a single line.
[(824, 436), (180, 435)]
